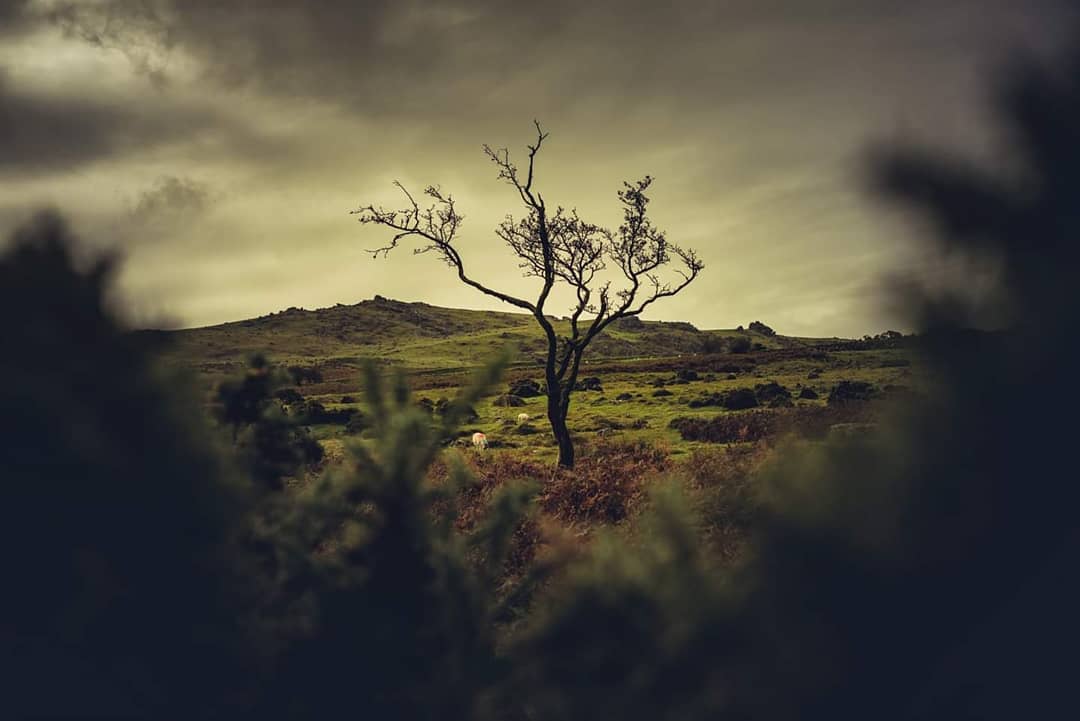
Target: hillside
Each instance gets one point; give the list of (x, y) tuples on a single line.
[(421, 337), (658, 382)]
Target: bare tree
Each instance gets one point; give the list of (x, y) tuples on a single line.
[(556, 247)]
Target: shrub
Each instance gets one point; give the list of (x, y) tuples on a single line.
[(357, 423), (288, 396), (712, 399), (446, 408), (525, 389), (772, 394), (601, 422), (316, 413), (305, 374), (851, 391), (271, 444), (739, 399), (591, 383), (805, 421), (398, 601), (125, 601), (728, 427), (740, 344), (711, 344)]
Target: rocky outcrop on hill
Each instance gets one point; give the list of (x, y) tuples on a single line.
[(758, 327)]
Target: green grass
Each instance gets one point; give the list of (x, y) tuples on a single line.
[(439, 346), (414, 335)]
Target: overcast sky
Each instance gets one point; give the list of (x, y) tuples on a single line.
[(221, 143)]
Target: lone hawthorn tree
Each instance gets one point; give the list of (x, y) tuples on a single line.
[(555, 247)]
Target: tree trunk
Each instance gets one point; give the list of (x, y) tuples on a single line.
[(557, 417), (566, 446)]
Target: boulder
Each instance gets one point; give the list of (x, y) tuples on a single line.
[(589, 384), (758, 327), (508, 400)]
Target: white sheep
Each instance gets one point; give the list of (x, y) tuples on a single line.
[(523, 418), (479, 441)]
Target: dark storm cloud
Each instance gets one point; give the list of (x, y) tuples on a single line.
[(397, 54), (751, 114), (46, 132), (171, 199), (12, 15)]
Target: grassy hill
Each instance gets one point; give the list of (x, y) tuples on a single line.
[(637, 362), (419, 336)]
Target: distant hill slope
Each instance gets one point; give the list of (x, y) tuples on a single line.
[(422, 337)]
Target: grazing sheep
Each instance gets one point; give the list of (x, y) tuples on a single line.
[(479, 441), (523, 417)]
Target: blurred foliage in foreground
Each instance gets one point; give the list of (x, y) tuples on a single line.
[(924, 572)]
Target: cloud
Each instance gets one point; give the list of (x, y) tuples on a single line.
[(404, 55), (170, 200), (12, 16), (47, 131), (239, 134)]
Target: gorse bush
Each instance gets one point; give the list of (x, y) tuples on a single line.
[(754, 425), (120, 591), (163, 584), (401, 623), (740, 344), (305, 374), (271, 443)]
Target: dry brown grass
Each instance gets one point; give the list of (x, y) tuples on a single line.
[(607, 483), (606, 486)]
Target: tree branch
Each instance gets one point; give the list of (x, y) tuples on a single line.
[(438, 225)]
